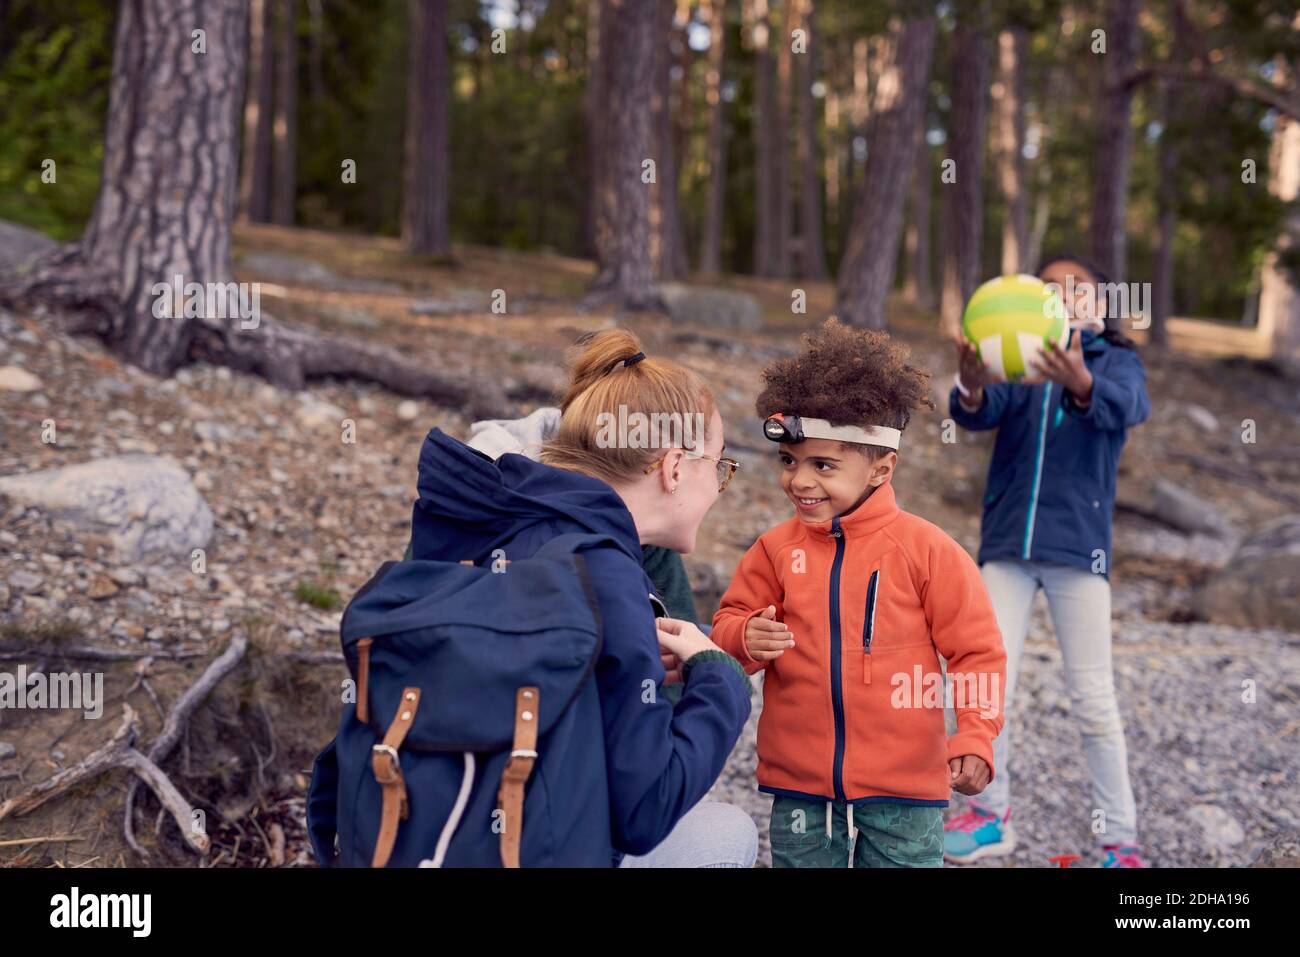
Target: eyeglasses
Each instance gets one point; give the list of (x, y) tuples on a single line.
[(726, 468)]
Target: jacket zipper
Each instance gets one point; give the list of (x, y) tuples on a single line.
[(837, 689), (1038, 474), (869, 626)]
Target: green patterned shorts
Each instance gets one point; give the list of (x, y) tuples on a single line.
[(888, 835)]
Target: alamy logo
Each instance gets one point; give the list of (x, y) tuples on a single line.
[(57, 690), (649, 430), (934, 689), (103, 910), (213, 300), (1124, 300)]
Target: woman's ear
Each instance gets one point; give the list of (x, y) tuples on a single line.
[(882, 468), (671, 471)]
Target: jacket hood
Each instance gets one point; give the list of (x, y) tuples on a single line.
[(468, 504)]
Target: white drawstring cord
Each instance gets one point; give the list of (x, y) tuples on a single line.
[(829, 818), (852, 830), (453, 820)]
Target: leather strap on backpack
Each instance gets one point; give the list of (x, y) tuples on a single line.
[(363, 679), (388, 772), (510, 796)]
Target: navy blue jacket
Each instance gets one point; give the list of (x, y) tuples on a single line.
[(658, 760), (1051, 484)]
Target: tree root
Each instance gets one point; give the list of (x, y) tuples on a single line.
[(284, 354), (287, 356)]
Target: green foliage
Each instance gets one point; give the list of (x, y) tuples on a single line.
[(54, 74), (318, 595)]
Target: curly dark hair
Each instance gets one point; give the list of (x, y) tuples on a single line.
[(847, 376)]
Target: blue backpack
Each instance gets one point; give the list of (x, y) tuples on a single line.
[(475, 739)]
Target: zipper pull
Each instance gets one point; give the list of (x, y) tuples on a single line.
[(835, 528)]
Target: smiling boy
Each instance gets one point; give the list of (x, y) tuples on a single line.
[(845, 600)]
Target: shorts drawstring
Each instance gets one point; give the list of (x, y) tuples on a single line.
[(829, 818)]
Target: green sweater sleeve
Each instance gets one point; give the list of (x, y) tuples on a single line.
[(668, 572)]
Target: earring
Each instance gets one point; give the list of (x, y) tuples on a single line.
[(672, 491)]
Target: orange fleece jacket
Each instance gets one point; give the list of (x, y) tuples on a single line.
[(855, 710)]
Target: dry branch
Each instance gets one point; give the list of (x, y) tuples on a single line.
[(180, 713), (117, 752)]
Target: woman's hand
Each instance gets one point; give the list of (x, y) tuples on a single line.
[(678, 641), (975, 375), (1066, 368)]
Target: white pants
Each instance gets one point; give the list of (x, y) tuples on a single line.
[(711, 834), (1080, 605)]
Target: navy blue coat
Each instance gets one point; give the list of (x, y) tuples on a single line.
[(1051, 485), (658, 760)]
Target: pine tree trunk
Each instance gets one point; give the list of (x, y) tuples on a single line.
[(812, 252), (1009, 111), (255, 181), (165, 207), (167, 193), (626, 267), (963, 202), (670, 244), (1162, 291), (711, 241), (834, 153), (765, 142), (600, 208), (1279, 295), (284, 180), (781, 197), (920, 284), (897, 120), (425, 226), (1113, 156), (861, 110)]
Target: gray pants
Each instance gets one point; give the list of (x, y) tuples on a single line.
[(711, 834), (1080, 607)]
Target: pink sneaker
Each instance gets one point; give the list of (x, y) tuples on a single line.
[(976, 833), (1121, 855)]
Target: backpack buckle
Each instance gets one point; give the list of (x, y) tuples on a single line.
[(392, 772)]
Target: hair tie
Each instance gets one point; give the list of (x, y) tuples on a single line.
[(627, 363)]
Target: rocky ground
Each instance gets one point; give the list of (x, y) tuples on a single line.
[(308, 493)]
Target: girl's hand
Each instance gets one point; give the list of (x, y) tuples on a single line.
[(678, 640), (969, 774), (975, 375), (1066, 368), (765, 637)]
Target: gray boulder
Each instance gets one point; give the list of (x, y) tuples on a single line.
[(452, 302), (145, 504), (289, 269), (1257, 588), (18, 244), (711, 307), (1174, 506)]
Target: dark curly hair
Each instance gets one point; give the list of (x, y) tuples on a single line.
[(847, 376)]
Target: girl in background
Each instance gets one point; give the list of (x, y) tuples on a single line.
[(1047, 524)]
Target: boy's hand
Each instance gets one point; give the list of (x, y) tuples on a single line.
[(766, 638), (970, 775)]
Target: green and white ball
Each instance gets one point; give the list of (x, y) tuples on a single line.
[(1010, 319)]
